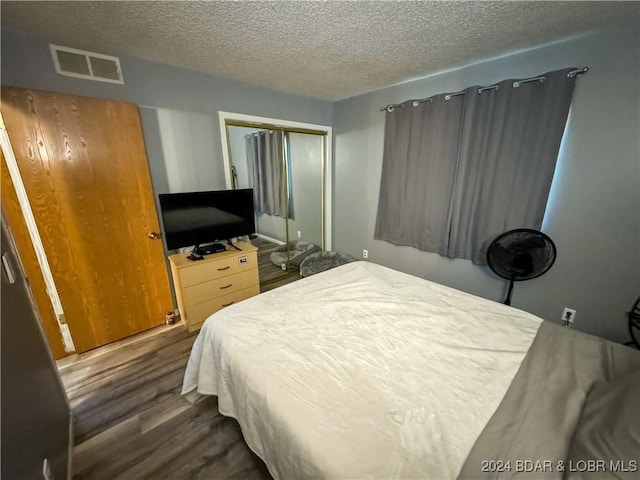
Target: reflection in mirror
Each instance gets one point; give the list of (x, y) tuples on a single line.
[(305, 173), (270, 224), (285, 169)]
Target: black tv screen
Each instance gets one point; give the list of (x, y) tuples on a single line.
[(198, 218)]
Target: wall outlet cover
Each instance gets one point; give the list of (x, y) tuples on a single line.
[(568, 316)]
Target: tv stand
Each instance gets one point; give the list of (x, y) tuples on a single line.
[(217, 281)]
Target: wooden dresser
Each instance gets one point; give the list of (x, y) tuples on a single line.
[(205, 286)]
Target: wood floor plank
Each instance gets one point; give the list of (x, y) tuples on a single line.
[(117, 401), (101, 447), (235, 462), (163, 410), (193, 443), (125, 453), (139, 369), (131, 421), (113, 353)]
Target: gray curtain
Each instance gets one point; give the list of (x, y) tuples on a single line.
[(266, 171), (458, 172), (418, 171), (508, 151)]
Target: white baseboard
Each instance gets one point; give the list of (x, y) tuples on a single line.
[(274, 240)]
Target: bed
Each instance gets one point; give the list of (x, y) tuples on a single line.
[(365, 372)]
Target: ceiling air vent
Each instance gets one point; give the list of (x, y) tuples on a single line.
[(82, 64)]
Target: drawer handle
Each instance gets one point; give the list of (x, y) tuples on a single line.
[(225, 268), (227, 304), (226, 286)]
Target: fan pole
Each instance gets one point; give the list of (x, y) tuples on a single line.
[(507, 300)]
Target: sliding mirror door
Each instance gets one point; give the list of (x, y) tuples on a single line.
[(306, 179), (286, 167)]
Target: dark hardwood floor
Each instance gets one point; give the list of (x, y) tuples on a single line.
[(132, 423)]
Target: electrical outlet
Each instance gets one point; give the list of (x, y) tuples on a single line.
[(299, 234), (365, 254), (568, 316), (283, 266), (47, 474)]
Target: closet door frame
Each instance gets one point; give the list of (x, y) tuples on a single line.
[(229, 119)]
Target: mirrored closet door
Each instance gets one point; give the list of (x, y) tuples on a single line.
[(286, 168)]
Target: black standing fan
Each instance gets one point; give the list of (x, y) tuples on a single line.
[(521, 254)]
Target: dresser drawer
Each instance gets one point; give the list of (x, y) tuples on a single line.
[(208, 269), (197, 314), (226, 285)]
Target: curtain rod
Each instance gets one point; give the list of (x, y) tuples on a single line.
[(516, 84)]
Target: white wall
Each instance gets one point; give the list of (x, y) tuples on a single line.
[(188, 149), (593, 214)]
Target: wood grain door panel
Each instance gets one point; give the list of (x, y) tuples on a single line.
[(84, 167), (13, 215)]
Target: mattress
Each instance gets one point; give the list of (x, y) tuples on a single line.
[(361, 372), (571, 412)]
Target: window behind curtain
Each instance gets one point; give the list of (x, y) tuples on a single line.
[(418, 173), (456, 173)]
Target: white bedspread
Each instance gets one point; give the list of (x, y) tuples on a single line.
[(361, 372)]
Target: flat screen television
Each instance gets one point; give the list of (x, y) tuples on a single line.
[(199, 218)]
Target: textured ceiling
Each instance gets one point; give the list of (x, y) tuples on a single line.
[(329, 50)]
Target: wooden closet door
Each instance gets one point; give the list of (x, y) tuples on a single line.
[(14, 218), (84, 168)]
